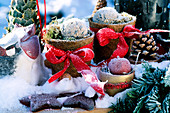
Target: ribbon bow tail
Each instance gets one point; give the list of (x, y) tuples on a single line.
[(121, 46), (86, 54), (87, 73), (57, 75), (93, 81)]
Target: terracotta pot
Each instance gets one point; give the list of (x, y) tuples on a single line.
[(104, 52), (67, 45), (115, 79)]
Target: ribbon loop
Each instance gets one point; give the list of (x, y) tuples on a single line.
[(57, 75), (105, 35), (86, 54), (78, 58)]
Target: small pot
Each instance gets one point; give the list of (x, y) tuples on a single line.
[(115, 80), (104, 52), (66, 45)]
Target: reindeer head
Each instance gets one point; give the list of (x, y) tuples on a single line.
[(20, 38)]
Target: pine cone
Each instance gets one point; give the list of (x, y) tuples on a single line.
[(23, 12), (100, 4), (146, 45)]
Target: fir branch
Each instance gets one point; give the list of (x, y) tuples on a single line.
[(166, 79), (166, 104), (140, 104), (148, 93), (152, 103)]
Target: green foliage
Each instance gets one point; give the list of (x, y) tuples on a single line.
[(150, 93), (23, 12), (54, 31), (166, 79)]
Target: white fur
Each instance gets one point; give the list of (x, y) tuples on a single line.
[(33, 71)]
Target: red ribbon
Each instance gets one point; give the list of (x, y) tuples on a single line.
[(105, 35), (78, 58), (121, 85), (38, 14), (2, 51)]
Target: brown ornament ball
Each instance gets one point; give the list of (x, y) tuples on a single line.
[(119, 66)]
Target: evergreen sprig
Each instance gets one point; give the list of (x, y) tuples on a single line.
[(150, 93), (166, 79)]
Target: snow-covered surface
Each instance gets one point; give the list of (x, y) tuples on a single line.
[(13, 88)]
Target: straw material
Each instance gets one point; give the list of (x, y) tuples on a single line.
[(67, 45), (104, 52), (114, 79)]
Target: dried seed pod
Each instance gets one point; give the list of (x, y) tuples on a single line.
[(148, 47), (145, 52), (154, 48), (154, 54), (144, 39), (142, 45), (137, 42), (138, 50), (153, 43), (149, 41)]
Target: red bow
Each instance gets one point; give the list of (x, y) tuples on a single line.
[(104, 36), (78, 58)]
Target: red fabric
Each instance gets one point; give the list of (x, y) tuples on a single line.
[(45, 21), (105, 35), (2, 51), (38, 14), (121, 85), (78, 58)]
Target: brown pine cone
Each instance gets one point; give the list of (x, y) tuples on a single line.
[(100, 4)]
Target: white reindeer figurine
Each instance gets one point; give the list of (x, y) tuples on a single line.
[(29, 63)]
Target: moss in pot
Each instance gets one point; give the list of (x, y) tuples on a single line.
[(69, 35)]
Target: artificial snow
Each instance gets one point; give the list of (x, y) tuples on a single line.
[(90, 92), (107, 101), (13, 88), (66, 86), (139, 70)]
